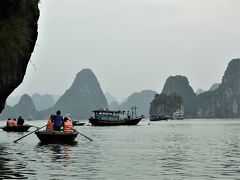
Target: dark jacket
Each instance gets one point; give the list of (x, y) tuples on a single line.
[(58, 120), (20, 121)]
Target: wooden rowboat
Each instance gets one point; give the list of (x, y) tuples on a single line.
[(56, 137), (20, 128)]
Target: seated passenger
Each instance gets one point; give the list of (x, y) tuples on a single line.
[(58, 121), (50, 123), (9, 122), (20, 121), (14, 122), (67, 125)]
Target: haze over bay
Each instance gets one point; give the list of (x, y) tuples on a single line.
[(132, 45)]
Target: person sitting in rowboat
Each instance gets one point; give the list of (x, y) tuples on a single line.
[(58, 121), (14, 122), (11, 122), (67, 125), (50, 123), (20, 121)]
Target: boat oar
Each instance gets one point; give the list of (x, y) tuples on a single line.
[(84, 136), (29, 134), (34, 126)]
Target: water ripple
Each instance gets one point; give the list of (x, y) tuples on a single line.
[(189, 149)]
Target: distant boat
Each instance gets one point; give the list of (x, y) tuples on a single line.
[(155, 117), (77, 123), (112, 118), (179, 115), (20, 128), (56, 137)]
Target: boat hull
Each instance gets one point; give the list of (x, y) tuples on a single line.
[(77, 123), (159, 119), (56, 137), (97, 122), (22, 128)]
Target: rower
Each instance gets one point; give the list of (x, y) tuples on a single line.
[(58, 120), (20, 121)]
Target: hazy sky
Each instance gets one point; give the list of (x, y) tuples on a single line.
[(132, 45)]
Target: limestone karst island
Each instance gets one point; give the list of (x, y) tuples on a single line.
[(119, 89)]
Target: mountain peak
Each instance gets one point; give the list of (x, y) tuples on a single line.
[(83, 96), (232, 72)]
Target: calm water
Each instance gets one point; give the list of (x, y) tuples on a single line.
[(187, 149)]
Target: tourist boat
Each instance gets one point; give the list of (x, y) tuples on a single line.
[(158, 118), (77, 123), (179, 115), (56, 137), (20, 128), (104, 117)]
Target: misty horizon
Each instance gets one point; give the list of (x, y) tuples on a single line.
[(132, 45)]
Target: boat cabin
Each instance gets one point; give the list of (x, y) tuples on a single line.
[(107, 115)]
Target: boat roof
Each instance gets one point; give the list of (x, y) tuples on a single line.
[(106, 111)]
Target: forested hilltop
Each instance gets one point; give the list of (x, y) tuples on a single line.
[(18, 34)]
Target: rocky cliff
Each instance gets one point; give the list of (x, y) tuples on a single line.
[(223, 102), (180, 86), (42, 101), (18, 34), (84, 96), (165, 105), (141, 100), (24, 108)]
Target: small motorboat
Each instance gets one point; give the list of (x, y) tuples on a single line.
[(178, 115), (77, 123), (56, 137), (20, 128), (154, 117)]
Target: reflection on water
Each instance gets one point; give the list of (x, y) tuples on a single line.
[(188, 149), (57, 152), (10, 167)]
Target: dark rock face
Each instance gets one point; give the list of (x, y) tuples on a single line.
[(224, 102), (42, 102), (18, 34), (165, 105), (84, 96), (180, 86), (141, 100), (24, 108)]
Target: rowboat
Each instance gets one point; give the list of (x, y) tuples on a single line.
[(112, 118), (20, 128), (56, 137)]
